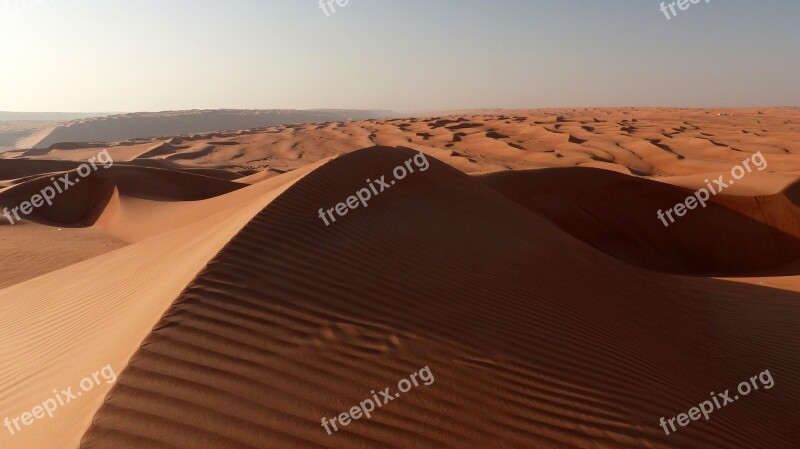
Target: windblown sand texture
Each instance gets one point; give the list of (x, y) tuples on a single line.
[(526, 268)]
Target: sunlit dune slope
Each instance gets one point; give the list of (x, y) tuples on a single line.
[(536, 339), (59, 327)]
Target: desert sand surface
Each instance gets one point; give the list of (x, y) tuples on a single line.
[(24, 133), (26, 129), (168, 123), (526, 267)]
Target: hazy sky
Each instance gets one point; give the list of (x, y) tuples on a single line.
[(405, 55)]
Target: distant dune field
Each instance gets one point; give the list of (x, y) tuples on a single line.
[(526, 267), (26, 129), (154, 124)]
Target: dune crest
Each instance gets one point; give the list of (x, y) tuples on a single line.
[(293, 321), (526, 267), (617, 214), (111, 314), (80, 205)]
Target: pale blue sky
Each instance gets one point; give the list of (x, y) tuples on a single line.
[(404, 55)]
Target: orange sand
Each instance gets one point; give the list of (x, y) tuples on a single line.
[(526, 267)]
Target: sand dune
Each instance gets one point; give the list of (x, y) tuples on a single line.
[(82, 205), (649, 142), (141, 125), (23, 133), (734, 235), (526, 268), (111, 314), (26, 129), (293, 321)]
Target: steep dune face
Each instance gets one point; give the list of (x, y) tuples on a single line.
[(167, 185), (25, 168), (81, 205), (83, 200), (110, 208), (617, 214), (535, 339), (146, 179), (66, 324), (22, 133)]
